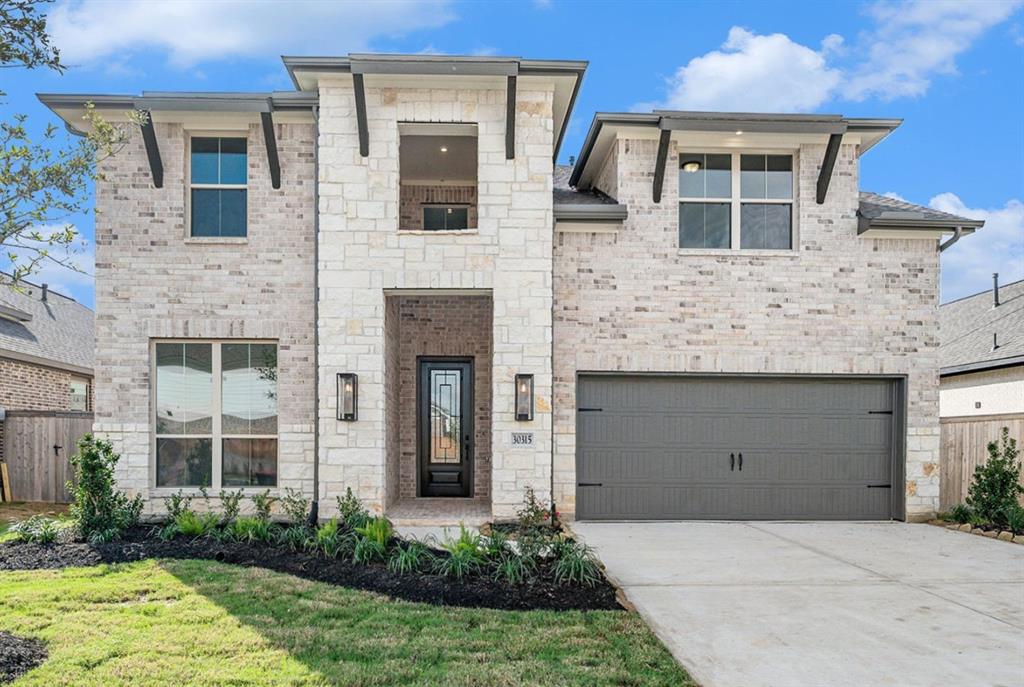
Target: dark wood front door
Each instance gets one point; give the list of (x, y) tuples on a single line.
[(445, 426)]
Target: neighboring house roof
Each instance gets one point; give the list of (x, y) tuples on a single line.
[(57, 332), (879, 212), (966, 327), (582, 206)]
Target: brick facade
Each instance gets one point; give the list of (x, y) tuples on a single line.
[(631, 301), (152, 282), (412, 198), (27, 386)]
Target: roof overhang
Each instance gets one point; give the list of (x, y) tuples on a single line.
[(46, 362), (912, 225), (721, 130), (425, 71), (585, 212), (981, 366)]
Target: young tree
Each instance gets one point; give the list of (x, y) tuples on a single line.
[(44, 183)]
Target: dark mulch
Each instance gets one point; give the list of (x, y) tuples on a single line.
[(18, 655), (477, 592)]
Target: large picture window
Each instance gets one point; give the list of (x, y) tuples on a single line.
[(735, 200), (218, 186), (216, 414)]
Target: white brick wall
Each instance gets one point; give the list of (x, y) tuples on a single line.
[(153, 283), (630, 301), (362, 254)]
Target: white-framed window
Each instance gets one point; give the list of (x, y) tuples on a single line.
[(79, 395), (738, 200), (218, 186), (215, 413)]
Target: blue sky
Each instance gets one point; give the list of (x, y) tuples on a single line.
[(953, 70)]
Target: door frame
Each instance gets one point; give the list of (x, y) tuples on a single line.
[(468, 400), (898, 467)]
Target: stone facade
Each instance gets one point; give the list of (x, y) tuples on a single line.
[(413, 197), (153, 282), (455, 326), (363, 256), (839, 304)]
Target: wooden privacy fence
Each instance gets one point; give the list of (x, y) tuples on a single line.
[(37, 446), (964, 447)]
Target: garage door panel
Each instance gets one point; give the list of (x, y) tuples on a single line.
[(658, 448)]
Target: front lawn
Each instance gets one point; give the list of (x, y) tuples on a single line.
[(174, 622)]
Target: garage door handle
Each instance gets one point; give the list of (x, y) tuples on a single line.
[(732, 462), (588, 484), (879, 486), (741, 462)]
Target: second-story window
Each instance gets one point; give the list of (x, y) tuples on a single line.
[(735, 200), (218, 186)]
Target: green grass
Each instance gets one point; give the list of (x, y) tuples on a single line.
[(200, 622)]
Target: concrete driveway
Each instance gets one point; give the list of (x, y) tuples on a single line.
[(790, 604)]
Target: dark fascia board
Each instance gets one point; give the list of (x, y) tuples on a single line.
[(911, 223), (596, 124), (584, 212), (14, 314), (980, 366), (184, 101), (881, 127)]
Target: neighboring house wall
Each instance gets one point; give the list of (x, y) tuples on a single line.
[(26, 386), (631, 301), (413, 197), (363, 254), (990, 392), (153, 282)]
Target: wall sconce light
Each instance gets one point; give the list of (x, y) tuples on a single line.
[(524, 398), (348, 393)]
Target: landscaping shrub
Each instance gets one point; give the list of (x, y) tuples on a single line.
[(1014, 517), (176, 504), (534, 513), (576, 564), (959, 513), (37, 530), (367, 550), (533, 545), (458, 563), (295, 537), (190, 524), (996, 485), (295, 506), (231, 504), (251, 530), (262, 503), (351, 510), (331, 541), (409, 558), (511, 568), (101, 511), (496, 545), (372, 540)]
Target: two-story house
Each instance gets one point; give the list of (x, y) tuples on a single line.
[(382, 281)]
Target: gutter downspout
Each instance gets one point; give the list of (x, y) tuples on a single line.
[(957, 233), (314, 506)]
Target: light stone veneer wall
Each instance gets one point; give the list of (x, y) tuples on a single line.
[(152, 282), (363, 255), (629, 301)]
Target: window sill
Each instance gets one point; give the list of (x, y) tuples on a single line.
[(439, 232), (195, 492), (740, 252), (218, 240)]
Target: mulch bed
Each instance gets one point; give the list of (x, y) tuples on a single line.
[(476, 592), (18, 655)]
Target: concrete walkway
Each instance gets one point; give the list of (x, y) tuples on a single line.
[(789, 604)]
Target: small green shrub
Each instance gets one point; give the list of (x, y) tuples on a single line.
[(102, 511), (231, 505), (38, 529), (378, 530), (409, 558), (367, 550), (295, 537), (191, 524), (996, 484), (534, 512), (167, 531), (263, 502), (351, 510), (1014, 517), (959, 513), (496, 545), (533, 545), (576, 564), (512, 569), (295, 506), (331, 541), (251, 530), (459, 563), (176, 504), (467, 543)]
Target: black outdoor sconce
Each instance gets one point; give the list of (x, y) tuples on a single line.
[(524, 398), (348, 393)]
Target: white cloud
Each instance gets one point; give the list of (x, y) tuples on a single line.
[(192, 31), (913, 41), (907, 44), (755, 73), (967, 267)]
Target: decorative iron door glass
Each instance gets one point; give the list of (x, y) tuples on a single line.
[(446, 427)]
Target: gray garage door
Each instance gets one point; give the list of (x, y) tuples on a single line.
[(662, 448)]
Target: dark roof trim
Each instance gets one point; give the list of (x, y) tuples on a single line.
[(14, 314), (45, 362), (912, 222), (981, 366), (600, 119), (590, 212), (185, 101)]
